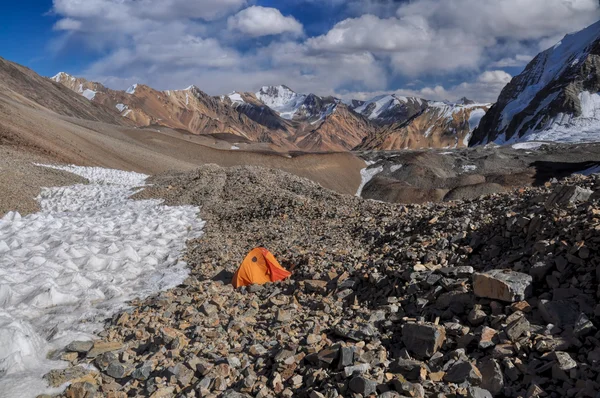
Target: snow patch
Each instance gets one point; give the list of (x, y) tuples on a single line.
[(396, 167), (64, 270), (528, 145), (236, 98), (89, 94), (467, 168), (366, 175), (131, 90), (121, 107), (235, 147)]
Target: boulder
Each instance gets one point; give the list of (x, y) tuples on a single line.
[(503, 285)]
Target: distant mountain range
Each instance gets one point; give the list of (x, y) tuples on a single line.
[(555, 99), (290, 120)]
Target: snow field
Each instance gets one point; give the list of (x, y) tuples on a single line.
[(67, 268)]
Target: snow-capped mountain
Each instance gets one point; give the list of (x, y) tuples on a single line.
[(554, 99), (438, 125), (392, 108), (281, 99), (289, 120)]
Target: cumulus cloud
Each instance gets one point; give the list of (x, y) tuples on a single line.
[(433, 36), (264, 21), (175, 43)]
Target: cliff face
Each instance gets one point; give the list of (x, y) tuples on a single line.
[(554, 99)]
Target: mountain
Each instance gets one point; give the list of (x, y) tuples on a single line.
[(27, 87), (191, 110), (291, 121), (554, 99), (388, 109), (438, 125)]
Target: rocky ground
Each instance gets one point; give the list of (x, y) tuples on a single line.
[(21, 180), (489, 297)]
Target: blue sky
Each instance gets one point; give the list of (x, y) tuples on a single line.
[(436, 49)]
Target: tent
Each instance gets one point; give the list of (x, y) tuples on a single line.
[(259, 267)]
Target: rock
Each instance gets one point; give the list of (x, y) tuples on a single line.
[(363, 386), (564, 360), (463, 371), (565, 194), (143, 372), (423, 340), (561, 313), (346, 358), (81, 390), (56, 378), (356, 369), (117, 370), (81, 347), (517, 328), (101, 347), (492, 377), (315, 286), (503, 285), (182, 373), (476, 392), (487, 338), (410, 369)]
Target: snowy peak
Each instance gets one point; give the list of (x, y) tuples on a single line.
[(61, 77), (391, 108), (281, 99), (547, 101)]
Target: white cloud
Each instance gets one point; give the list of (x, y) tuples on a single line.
[(436, 36), (258, 21), (175, 43)]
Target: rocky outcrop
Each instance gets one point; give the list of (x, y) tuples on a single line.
[(554, 99)]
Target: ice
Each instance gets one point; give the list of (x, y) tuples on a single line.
[(475, 119), (367, 175), (89, 94), (78, 261), (131, 90), (236, 98), (528, 145)]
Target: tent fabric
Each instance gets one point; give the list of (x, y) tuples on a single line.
[(259, 267)]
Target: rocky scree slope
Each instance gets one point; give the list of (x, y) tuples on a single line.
[(554, 99), (491, 297)]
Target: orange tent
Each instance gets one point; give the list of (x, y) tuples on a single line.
[(259, 267)]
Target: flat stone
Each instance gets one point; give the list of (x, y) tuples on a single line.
[(81, 347), (423, 340), (101, 347), (503, 285)]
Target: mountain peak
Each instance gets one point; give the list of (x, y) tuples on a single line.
[(62, 76)]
